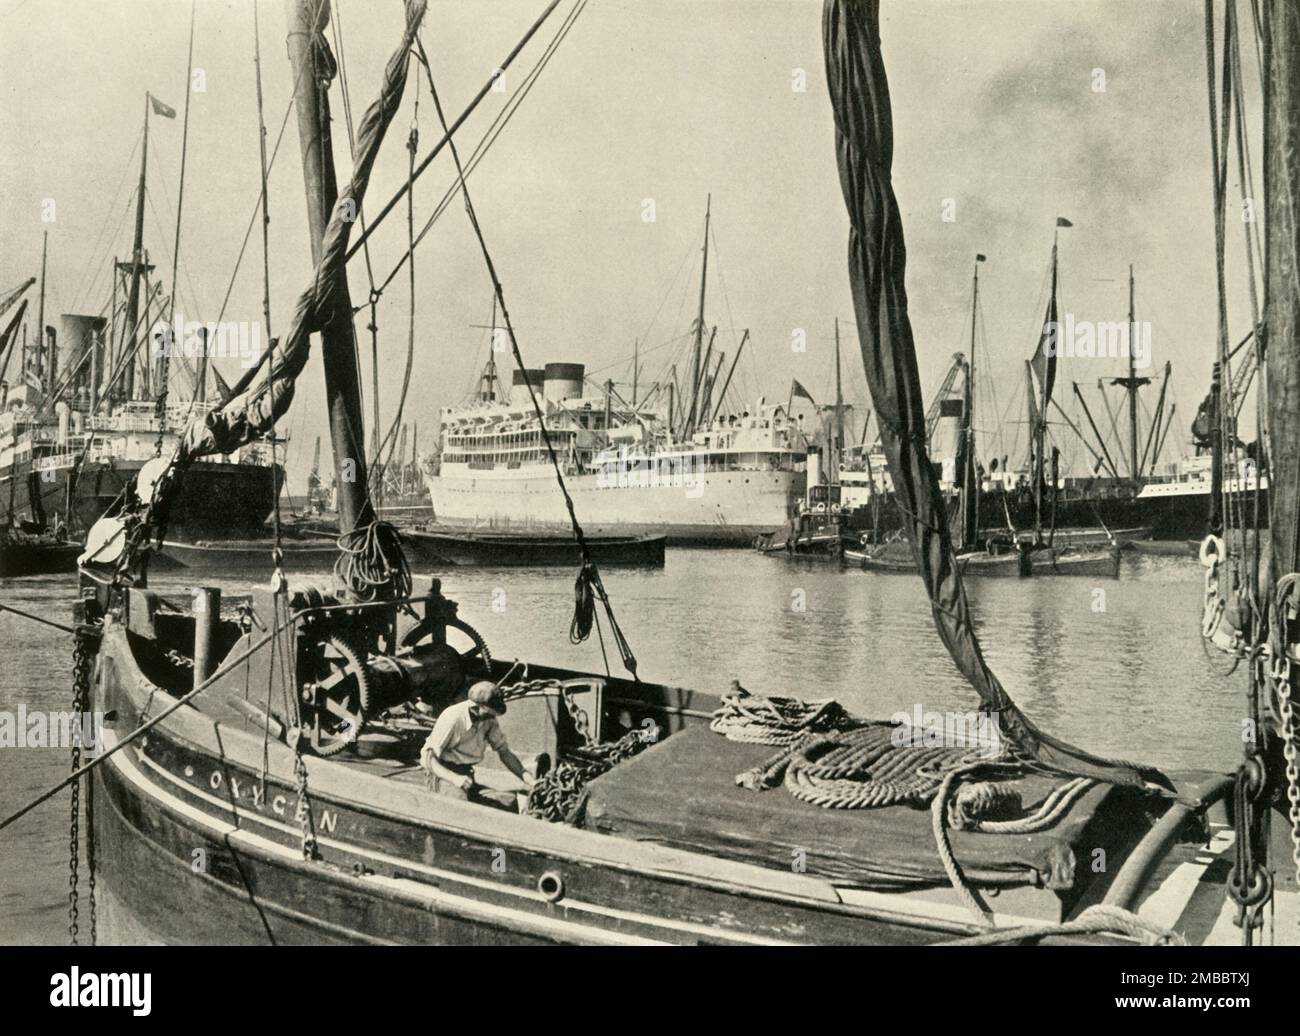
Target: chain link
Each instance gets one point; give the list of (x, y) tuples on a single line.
[(1287, 714), (85, 647), (581, 722), (309, 847)]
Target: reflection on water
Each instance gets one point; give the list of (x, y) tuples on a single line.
[(1115, 666)]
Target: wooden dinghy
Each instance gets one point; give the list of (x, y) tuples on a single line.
[(497, 549), (1011, 563), (37, 555), (299, 553)]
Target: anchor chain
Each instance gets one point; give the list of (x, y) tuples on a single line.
[(309, 847), (85, 648), (1286, 713)]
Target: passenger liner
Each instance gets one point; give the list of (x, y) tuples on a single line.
[(736, 475)]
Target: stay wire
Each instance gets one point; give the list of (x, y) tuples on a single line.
[(588, 586)]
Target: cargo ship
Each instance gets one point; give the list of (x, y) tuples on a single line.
[(81, 412)]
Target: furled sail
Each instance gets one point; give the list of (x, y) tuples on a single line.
[(877, 259), (253, 411), (1282, 298), (1044, 361)]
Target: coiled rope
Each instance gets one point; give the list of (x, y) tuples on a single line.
[(834, 760), (760, 720), (371, 561)]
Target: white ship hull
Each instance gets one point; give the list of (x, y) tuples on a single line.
[(730, 507)]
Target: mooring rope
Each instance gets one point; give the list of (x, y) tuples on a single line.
[(1100, 919)]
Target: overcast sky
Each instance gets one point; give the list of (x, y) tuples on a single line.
[(995, 107)]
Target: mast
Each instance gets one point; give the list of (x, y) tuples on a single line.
[(970, 483), (1282, 303), (338, 336), (40, 319), (266, 214), (699, 322), (839, 409), (1132, 384), (1040, 430), (137, 266)]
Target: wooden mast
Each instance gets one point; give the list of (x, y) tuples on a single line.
[(970, 482), (338, 336), (40, 319), (1040, 431), (1282, 301), (839, 410), (137, 269), (1132, 385), (699, 323)]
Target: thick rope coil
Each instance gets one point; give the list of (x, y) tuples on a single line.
[(995, 807), (864, 769), (1100, 919), (760, 720)]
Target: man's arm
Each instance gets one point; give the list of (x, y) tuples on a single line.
[(515, 766), (450, 776), (497, 739)]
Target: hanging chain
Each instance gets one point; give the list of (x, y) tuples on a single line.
[(1287, 714), (85, 647), (309, 848), (581, 722)]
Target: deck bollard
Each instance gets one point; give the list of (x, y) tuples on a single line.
[(206, 606)]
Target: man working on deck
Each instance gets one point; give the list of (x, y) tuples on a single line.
[(459, 741)]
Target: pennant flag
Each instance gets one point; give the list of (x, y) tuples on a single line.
[(980, 258), (798, 390), (1061, 221), (161, 109)]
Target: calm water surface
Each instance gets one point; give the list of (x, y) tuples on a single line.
[(1130, 681)]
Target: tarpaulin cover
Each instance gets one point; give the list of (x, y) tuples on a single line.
[(682, 793)]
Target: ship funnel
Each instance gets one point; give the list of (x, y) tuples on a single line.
[(51, 358), (519, 386), (83, 342), (814, 466), (564, 381)]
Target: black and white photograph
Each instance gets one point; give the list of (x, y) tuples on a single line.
[(715, 473)]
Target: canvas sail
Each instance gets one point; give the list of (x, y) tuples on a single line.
[(877, 261)]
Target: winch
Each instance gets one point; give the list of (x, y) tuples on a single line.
[(351, 666)]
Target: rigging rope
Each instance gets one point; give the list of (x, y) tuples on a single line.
[(588, 587), (169, 344), (1100, 919)]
